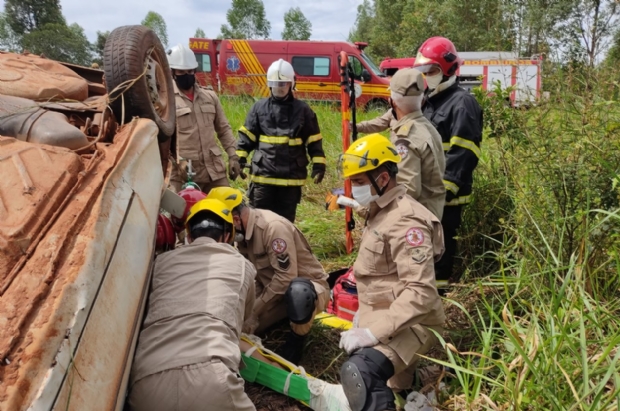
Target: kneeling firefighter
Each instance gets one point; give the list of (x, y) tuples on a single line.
[(398, 300), (290, 281)]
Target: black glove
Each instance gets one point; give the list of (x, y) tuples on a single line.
[(243, 162), (318, 172), (234, 167)]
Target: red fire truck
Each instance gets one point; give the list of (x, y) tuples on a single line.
[(486, 68), (239, 67)]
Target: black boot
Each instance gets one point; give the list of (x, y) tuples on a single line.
[(292, 348)]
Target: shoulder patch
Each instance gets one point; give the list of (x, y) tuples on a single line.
[(278, 246), (403, 150), (414, 237)]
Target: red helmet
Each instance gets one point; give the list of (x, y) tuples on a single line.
[(166, 237), (191, 197), (440, 51)]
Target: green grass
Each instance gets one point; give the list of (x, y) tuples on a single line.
[(535, 323), (324, 230)]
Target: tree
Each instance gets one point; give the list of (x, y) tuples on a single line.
[(9, 41), (60, 42), (362, 30), (25, 16), (99, 46), (156, 22), (200, 33), (246, 20), (613, 56), (296, 25)]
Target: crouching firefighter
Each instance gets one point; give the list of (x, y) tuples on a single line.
[(398, 300), (290, 281), (188, 356)]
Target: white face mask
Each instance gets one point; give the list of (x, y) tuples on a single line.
[(434, 81), (280, 92), (363, 195)]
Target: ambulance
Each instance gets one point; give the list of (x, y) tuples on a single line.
[(239, 67), (486, 68)]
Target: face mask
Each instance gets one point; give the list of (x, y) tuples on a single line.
[(363, 195), (239, 237), (185, 81), (434, 81), (280, 92)]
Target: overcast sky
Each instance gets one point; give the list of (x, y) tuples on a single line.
[(331, 19)]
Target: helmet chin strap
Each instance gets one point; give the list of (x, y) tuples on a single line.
[(379, 191)]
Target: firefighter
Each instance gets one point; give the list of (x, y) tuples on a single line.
[(399, 306), (188, 355), (422, 163), (456, 115), (282, 131), (199, 117), (290, 283)]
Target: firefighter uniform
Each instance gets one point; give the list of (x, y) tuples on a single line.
[(398, 299), (188, 355), (422, 163), (456, 115), (197, 123), (280, 254), (282, 133), (378, 124)]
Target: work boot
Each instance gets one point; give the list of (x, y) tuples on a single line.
[(292, 348)]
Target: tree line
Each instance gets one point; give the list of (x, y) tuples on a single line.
[(564, 30), (39, 27)]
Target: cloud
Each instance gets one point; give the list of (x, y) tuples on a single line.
[(331, 20)]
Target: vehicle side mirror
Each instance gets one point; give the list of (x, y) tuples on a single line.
[(365, 76)]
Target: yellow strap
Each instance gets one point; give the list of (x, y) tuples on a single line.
[(242, 153), (319, 160), (451, 186), (281, 140), (314, 139), (459, 201), (248, 133), (274, 357), (467, 144), (276, 181)]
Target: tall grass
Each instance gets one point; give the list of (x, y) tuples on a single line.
[(534, 325)]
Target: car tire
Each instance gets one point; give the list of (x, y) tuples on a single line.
[(135, 52)]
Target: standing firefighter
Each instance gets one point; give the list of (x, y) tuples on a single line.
[(455, 113), (199, 117), (398, 299), (423, 164), (188, 355), (290, 283), (282, 131)]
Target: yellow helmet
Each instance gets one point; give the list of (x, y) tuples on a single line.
[(215, 206), (232, 197), (367, 154)]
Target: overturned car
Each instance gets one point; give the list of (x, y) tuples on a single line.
[(84, 165)]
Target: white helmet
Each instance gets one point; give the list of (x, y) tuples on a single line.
[(280, 72), (182, 58)]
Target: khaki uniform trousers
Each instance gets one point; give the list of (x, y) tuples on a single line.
[(209, 386), (403, 373), (275, 311)]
